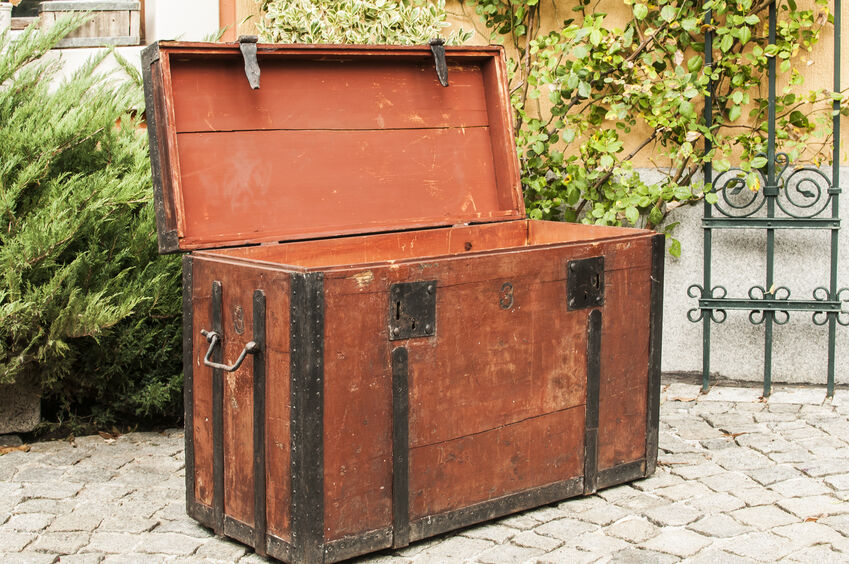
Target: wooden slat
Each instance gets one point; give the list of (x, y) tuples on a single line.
[(357, 413), (625, 348), (388, 246), (213, 95), (472, 469), (240, 185)]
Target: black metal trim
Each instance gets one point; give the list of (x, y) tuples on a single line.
[(585, 283), (201, 513), (235, 529), (400, 449), (307, 424), (166, 240), (349, 547), (279, 549), (412, 310), (658, 253), (592, 408), (259, 532), (437, 47), (621, 474), (247, 45), (188, 381), (217, 413), (437, 524)]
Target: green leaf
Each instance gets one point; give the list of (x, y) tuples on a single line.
[(632, 215), (711, 198), (745, 34), (686, 109), (595, 37), (726, 43), (734, 113), (721, 165), (668, 13), (640, 11), (758, 162), (737, 97), (695, 63), (584, 90), (675, 247)]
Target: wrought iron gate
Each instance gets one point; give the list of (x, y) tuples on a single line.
[(791, 197)]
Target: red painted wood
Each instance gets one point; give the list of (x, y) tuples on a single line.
[(309, 94), (516, 457), (357, 411), (336, 141), (239, 185)]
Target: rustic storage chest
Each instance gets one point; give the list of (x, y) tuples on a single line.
[(410, 355)]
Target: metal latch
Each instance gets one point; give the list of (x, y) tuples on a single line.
[(247, 44), (585, 283), (412, 310), (437, 46)]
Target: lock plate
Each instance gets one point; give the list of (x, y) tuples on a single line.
[(585, 283), (412, 310)]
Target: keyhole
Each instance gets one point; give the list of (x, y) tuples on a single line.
[(397, 311)]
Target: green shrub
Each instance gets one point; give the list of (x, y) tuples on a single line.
[(88, 309), (398, 22)]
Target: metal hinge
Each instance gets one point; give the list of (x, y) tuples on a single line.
[(437, 46), (412, 310), (585, 283), (247, 44)]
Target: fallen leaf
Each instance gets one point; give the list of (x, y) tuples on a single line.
[(7, 450)]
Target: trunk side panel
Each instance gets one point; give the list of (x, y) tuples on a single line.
[(625, 356)]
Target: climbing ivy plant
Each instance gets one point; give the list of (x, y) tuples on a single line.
[(590, 96)]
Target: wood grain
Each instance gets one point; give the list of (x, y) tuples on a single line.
[(357, 414), (239, 185), (336, 140), (238, 285)]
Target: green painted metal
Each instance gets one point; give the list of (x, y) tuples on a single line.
[(792, 197)]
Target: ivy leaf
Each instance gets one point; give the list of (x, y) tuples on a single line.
[(726, 43), (695, 63), (584, 89), (595, 37), (668, 13), (686, 109), (759, 162), (721, 165), (675, 247), (734, 113), (632, 215), (745, 34), (640, 11), (711, 198)]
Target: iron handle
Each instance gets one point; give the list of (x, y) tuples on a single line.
[(214, 338)]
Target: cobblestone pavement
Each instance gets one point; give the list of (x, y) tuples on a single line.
[(738, 480)]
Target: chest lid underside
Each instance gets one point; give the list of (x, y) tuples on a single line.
[(337, 140)]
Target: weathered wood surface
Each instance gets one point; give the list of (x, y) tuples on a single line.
[(365, 141), (110, 23), (497, 398), (238, 285)]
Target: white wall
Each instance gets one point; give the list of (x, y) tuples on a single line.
[(184, 20)]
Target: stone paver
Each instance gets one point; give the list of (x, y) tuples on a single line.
[(739, 480)]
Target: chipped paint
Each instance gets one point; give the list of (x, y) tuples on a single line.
[(363, 279)]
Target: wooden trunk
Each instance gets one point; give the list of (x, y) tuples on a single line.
[(444, 363)]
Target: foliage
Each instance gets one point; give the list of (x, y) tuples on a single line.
[(401, 22), (87, 308), (591, 96)]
